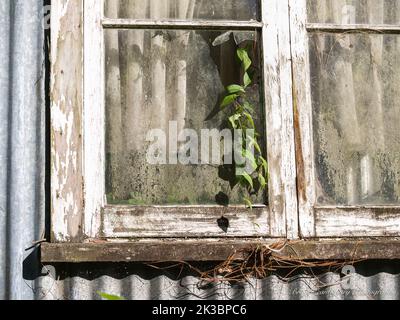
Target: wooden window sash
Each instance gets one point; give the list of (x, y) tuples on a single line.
[(327, 221), (79, 210)]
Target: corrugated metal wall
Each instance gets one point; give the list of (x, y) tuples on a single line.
[(372, 281), (22, 139), (22, 204)]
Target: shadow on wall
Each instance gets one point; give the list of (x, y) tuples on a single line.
[(174, 270)]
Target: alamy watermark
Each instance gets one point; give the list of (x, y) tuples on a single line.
[(348, 281), (187, 147)]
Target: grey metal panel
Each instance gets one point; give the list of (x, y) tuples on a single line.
[(22, 139), (4, 90), (22, 163), (329, 286)]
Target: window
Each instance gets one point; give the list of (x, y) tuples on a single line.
[(347, 81), (128, 75), (163, 66)]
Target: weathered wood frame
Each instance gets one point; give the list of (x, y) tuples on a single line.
[(348, 251), (79, 209), (77, 197), (324, 221), (67, 182)]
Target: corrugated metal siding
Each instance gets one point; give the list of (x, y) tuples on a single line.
[(138, 286), (22, 204), (22, 139)]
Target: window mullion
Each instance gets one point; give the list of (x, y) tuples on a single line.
[(279, 118), (93, 118)]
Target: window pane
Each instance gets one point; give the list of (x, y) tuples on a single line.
[(356, 110), (155, 77), (183, 9), (354, 11)]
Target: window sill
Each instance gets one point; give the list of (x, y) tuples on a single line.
[(217, 250)]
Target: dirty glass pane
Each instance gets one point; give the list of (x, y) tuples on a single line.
[(356, 108), (183, 9), (154, 77), (354, 11)]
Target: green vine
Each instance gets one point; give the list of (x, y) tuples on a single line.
[(241, 117)]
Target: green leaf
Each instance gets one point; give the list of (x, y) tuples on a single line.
[(244, 58), (107, 296), (248, 203), (255, 144), (228, 100), (249, 179), (240, 53), (250, 119), (262, 181), (233, 120), (235, 88), (248, 155), (247, 106), (264, 164), (246, 80)]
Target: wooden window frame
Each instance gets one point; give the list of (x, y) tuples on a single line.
[(78, 200), (327, 221), (77, 175)]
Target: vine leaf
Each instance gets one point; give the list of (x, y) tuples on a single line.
[(233, 120), (247, 106), (248, 155), (229, 99), (250, 119), (246, 80), (244, 58), (235, 88), (248, 203), (248, 178), (264, 164), (255, 144), (262, 181)]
